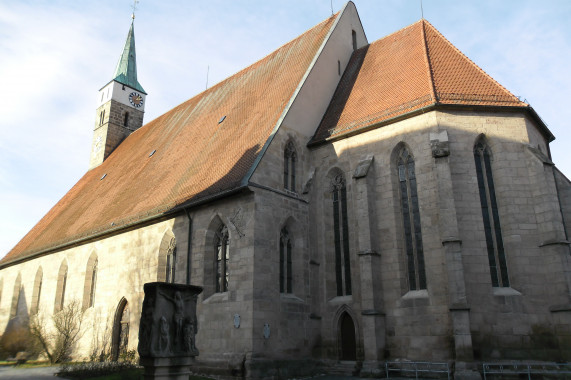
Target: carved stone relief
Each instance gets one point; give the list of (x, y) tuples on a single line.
[(168, 320)]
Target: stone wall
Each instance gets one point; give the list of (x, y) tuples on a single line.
[(460, 315), (109, 133), (564, 187), (512, 322), (221, 344), (417, 322), (125, 263)]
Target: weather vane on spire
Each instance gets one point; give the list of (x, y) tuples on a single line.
[(134, 6)]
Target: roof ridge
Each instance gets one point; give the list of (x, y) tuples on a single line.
[(258, 94), (337, 16), (428, 63), (233, 76), (247, 68), (465, 57), (396, 32)]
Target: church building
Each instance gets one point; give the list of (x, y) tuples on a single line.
[(339, 201)]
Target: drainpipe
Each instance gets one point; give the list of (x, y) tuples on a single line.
[(189, 244)]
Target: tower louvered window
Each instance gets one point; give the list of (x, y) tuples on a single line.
[(411, 221), (286, 285), (341, 229), (290, 157), (222, 259), (492, 228)]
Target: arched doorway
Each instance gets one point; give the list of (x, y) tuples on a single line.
[(120, 330), (347, 340)]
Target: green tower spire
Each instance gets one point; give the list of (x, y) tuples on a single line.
[(126, 71)]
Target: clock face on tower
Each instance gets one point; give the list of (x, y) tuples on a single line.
[(136, 99)]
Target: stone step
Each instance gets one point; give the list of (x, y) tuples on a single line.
[(342, 368)]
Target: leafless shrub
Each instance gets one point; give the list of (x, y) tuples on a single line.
[(58, 344)]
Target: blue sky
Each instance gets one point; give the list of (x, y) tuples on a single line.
[(55, 56)]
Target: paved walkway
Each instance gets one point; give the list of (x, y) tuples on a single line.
[(45, 373), (38, 373)]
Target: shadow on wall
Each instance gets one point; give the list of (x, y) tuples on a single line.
[(15, 337), (538, 334)]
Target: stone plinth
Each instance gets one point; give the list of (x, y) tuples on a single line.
[(176, 368), (167, 330)]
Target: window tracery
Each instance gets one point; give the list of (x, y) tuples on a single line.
[(411, 220), (171, 261), (490, 216), (222, 259), (286, 278), (341, 236), (290, 158)]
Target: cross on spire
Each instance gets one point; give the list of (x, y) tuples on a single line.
[(134, 7)]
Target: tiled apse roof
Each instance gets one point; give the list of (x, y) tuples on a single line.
[(403, 72), (196, 156)]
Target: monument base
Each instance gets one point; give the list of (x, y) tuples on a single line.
[(177, 368)]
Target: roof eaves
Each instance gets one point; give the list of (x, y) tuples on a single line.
[(82, 239), (366, 128), (133, 84), (113, 230), (288, 106), (436, 106), (140, 89)]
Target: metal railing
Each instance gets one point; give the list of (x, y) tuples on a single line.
[(417, 367), (519, 368)]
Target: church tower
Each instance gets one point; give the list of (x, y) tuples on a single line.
[(120, 105)]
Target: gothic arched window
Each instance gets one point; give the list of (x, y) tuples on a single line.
[(286, 285), (16, 296), (60, 289), (341, 231), (93, 284), (411, 221), (37, 291), (492, 228), (90, 282), (222, 245), (171, 262), (290, 158)]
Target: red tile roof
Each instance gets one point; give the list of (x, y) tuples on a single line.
[(196, 156), (403, 72)]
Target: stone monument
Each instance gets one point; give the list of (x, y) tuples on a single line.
[(167, 330)]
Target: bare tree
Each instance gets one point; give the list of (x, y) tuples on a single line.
[(59, 344)]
